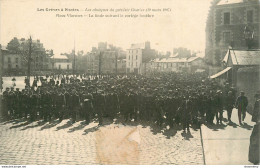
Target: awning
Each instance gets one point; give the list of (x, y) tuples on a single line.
[(220, 73)]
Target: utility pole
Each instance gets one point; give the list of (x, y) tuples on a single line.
[(29, 60)]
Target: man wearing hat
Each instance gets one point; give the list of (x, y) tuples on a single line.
[(18, 102), (46, 102), (87, 109), (230, 104), (241, 105), (253, 155), (219, 107), (11, 101), (100, 105), (75, 103), (5, 101), (256, 111), (60, 104)]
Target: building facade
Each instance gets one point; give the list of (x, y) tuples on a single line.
[(242, 70), (40, 61), (61, 62), (191, 64), (235, 24), (105, 61), (11, 63), (138, 56)]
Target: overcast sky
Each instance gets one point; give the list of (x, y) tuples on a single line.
[(184, 26)]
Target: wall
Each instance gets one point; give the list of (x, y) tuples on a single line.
[(216, 47), (12, 63), (248, 80), (63, 65), (134, 60)]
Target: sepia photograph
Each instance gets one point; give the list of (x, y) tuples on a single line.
[(140, 82)]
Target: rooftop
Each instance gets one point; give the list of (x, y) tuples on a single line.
[(228, 2), (243, 57), (59, 57), (4, 48), (138, 46), (176, 60)]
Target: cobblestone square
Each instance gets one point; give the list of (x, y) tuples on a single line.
[(43, 143)]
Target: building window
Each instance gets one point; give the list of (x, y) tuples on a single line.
[(136, 57), (16, 60), (227, 18), (226, 37), (136, 64), (171, 64), (250, 16), (68, 66), (9, 60), (9, 66), (16, 66), (129, 57), (59, 67)]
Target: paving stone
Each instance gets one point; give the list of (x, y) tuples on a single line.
[(23, 145)]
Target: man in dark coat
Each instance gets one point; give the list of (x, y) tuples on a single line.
[(5, 101), (219, 107), (75, 103), (33, 105), (100, 106), (186, 113), (230, 102), (46, 102), (241, 105), (87, 106), (60, 104), (256, 111), (253, 155), (18, 102), (11, 102)]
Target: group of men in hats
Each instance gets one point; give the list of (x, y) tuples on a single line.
[(161, 98)]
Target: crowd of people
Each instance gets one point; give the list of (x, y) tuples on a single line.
[(161, 98)]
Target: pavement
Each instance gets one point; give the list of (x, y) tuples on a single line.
[(227, 144), (64, 143)]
